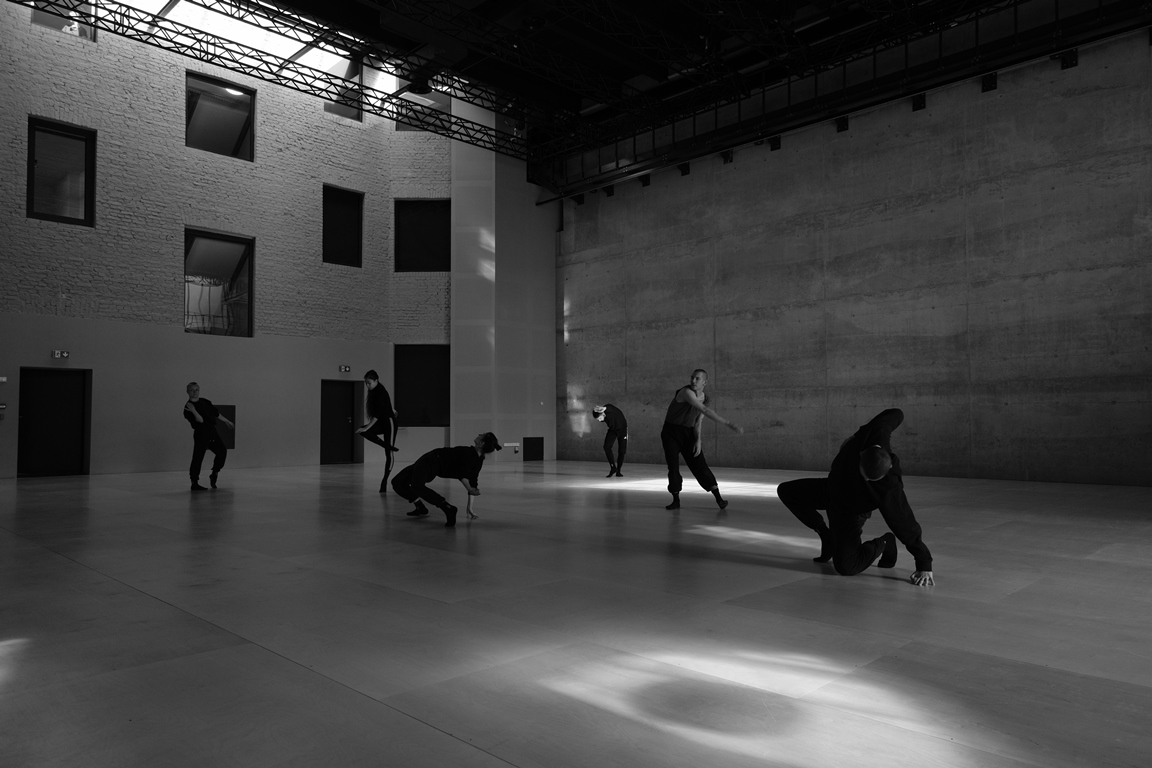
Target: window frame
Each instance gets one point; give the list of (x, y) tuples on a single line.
[(418, 369), (396, 233), (71, 131), (251, 122), (90, 31), (324, 226), (250, 258)]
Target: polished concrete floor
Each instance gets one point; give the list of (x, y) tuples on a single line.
[(295, 617)]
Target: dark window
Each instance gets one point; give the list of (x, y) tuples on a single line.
[(349, 106), (220, 117), (217, 284), (425, 103), (61, 172), (422, 375), (423, 235), (70, 25), (343, 226)]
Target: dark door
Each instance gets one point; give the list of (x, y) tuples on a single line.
[(337, 430), (52, 437)]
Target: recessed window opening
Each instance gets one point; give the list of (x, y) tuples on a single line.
[(423, 235), (69, 25), (422, 377), (217, 284), (350, 106), (343, 226), (61, 172), (220, 117)]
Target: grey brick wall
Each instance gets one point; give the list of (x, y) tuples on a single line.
[(150, 186)]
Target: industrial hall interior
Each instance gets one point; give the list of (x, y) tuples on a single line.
[(570, 383)]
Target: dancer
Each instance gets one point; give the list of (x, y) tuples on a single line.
[(617, 433), (681, 437), (865, 475), (381, 416), (202, 415), (462, 463)]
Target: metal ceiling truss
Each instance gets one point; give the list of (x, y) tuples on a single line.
[(343, 43), (160, 32), (933, 55), (792, 61), (506, 45)]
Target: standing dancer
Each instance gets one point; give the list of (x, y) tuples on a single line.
[(381, 417), (462, 463), (865, 475), (202, 415), (617, 433), (681, 437)]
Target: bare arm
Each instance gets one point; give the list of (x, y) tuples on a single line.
[(694, 400), (367, 426), (189, 408)]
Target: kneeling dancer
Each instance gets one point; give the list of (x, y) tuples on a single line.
[(462, 463), (681, 437), (865, 475)]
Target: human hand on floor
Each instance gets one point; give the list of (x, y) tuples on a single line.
[(923, 579)]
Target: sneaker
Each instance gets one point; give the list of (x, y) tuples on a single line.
[(888, 558), (825, 546), (675, 503), (611, 471), (450, 514), (197, 487), (722, 503), (212, 479), (420, 510), (619, 473)]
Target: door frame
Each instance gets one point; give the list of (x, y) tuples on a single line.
[(357, 417), (86, 424)]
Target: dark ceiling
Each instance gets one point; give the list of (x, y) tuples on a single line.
[(603, 91)]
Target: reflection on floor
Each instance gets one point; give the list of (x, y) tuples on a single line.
[(295, 617)]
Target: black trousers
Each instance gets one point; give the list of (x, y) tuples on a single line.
[(202, 444), (411, 482), (850, 555), (680, 441), (374, 436), (620, 437)]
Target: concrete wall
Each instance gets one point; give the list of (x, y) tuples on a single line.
[(982, 264), (113, 294)]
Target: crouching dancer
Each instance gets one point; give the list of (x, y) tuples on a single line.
[(865, 476), (462, 463)]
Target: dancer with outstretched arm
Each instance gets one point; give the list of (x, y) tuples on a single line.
[(681, 437)]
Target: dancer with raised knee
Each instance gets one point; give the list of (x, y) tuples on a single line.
[(381, 426), (463, 463), (865, 476), (681, 437)]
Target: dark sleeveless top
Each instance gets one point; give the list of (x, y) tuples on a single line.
[(683, 414)]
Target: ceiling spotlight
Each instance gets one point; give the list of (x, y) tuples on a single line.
[(419, 87)]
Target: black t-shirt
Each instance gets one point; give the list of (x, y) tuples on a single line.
[(851, 498), (459, 463), (614, 418), (379, 405), (207, 412)]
